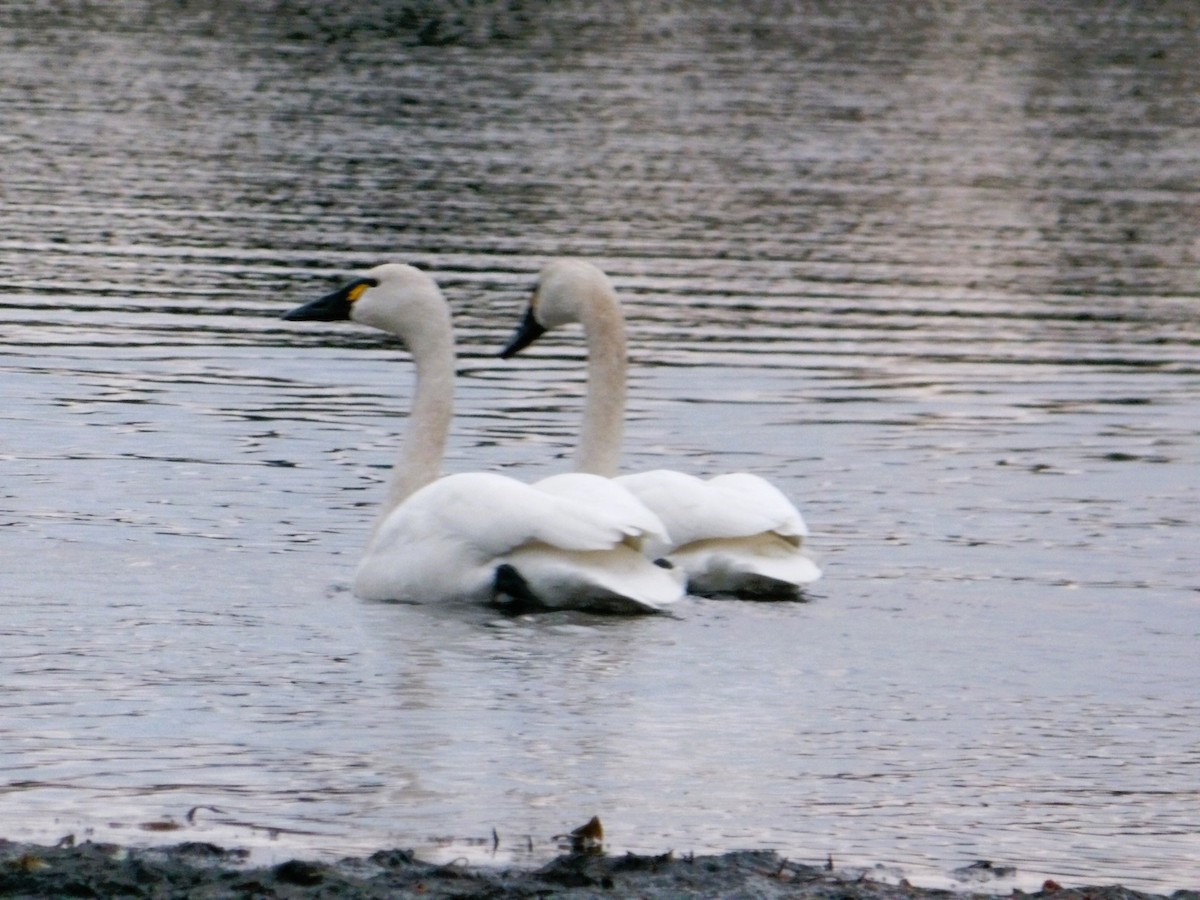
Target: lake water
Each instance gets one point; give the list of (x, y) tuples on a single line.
[(934, 271)]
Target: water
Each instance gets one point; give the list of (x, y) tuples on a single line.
[(934, 273)]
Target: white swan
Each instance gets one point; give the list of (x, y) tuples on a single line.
[(481, 537), (732, 534)]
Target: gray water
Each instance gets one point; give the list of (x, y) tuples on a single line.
[(932, 270)]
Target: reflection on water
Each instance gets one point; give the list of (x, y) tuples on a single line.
[(933, 274)]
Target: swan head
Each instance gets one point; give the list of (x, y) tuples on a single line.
[(567, 291), (394, 297)]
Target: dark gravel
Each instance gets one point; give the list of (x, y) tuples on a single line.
[(203, 871)]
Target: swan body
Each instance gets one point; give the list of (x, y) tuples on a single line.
[(731, 534), (480, 537), (484, 538)]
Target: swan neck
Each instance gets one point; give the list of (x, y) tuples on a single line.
[(425, 434), (599, 450)]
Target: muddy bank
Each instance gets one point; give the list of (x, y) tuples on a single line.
[(198, 870)]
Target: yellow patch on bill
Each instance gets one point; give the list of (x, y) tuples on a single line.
[(357, 291)]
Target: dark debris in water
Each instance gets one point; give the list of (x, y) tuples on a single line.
[(209, 872)]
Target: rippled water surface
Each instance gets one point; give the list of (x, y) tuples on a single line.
[(934, 272)]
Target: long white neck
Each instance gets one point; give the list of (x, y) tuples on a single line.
[(424, 445), (599, 450)]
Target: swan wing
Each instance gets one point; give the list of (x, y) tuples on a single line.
[(449, 540), (693, 509), (767, 499), (491, 515), (609, 498)]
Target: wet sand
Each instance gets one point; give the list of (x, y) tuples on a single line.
[(200, 870)]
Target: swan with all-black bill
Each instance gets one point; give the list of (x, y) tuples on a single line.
[(481, 537), (733, 534)]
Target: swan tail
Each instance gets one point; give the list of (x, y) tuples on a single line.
[(764, 567), (616, 581)]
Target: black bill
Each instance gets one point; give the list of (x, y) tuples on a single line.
[(527, 332)]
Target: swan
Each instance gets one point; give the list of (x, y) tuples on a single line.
[(732, 534), (482, 537)]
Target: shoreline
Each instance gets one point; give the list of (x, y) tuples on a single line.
[(203, 870)]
